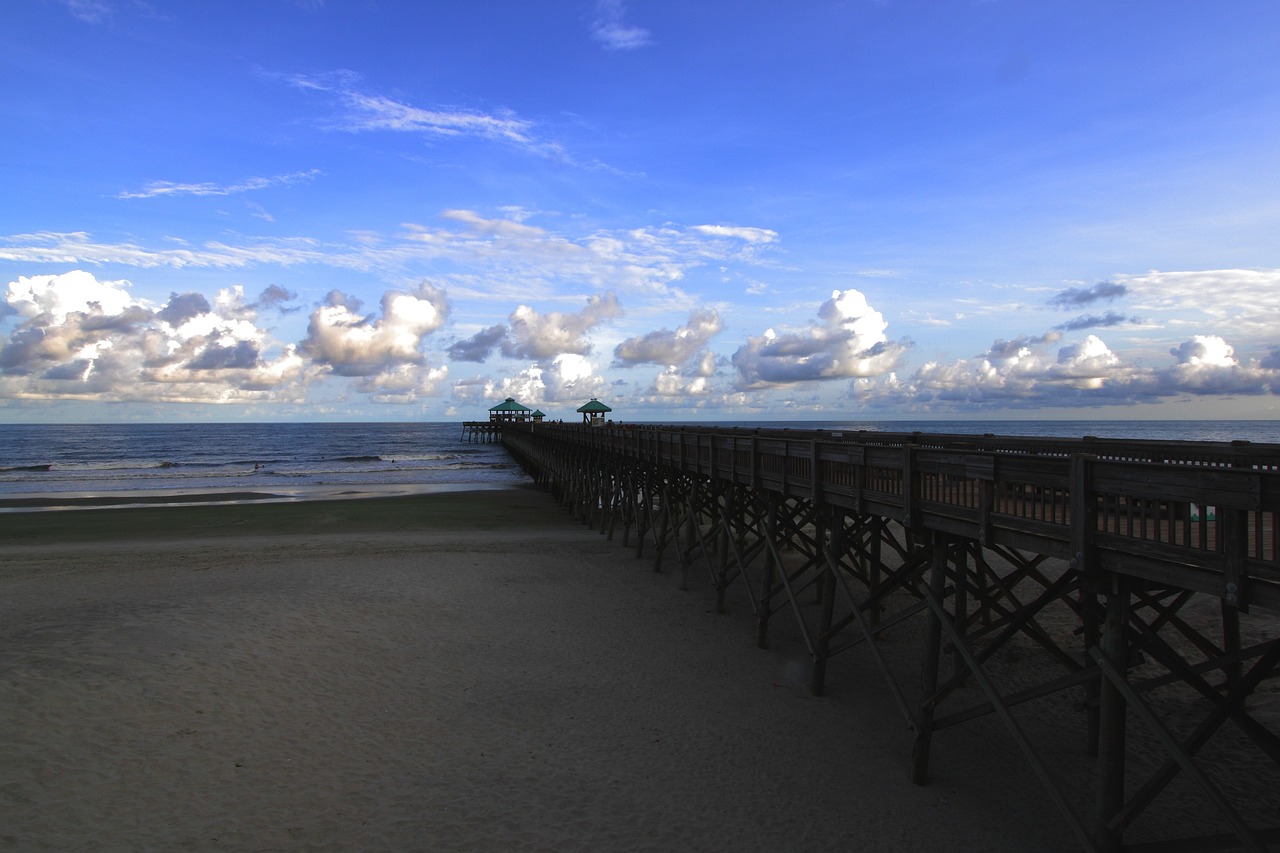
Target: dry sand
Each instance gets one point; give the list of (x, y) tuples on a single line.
[(470, 671)]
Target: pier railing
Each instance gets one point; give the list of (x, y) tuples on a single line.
[(1137, 531), (1198, 514)]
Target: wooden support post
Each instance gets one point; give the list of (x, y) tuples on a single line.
[(1091, 623), (876, 549), (1111, 719), (722, 549), (662, 527), (591, 497), (1231, 642), (822, 644), (615, 500), (691, 540), (644, 514), (766, 581), (627, 503), (929, 664), (595, 485), (960, 608)]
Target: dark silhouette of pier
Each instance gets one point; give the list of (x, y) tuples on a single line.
[(1130, 587)]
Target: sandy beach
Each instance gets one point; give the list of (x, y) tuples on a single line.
[(467, 671)]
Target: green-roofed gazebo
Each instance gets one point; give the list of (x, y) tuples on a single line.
[(538, 416), (593, 412), (508, 411)]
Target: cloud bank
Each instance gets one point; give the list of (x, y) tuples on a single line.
[(80, 338), (76, 336)]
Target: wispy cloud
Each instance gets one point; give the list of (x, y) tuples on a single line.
[(610, 31), (1244, 301), (165, 188), (90, 11), (503, 257), (367, 112), (56, 247), (738, 232)]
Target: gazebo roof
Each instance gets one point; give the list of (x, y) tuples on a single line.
[(539, 414), (509, 405), (594, 406)]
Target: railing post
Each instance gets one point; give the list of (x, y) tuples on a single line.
[(815, 478), (755, 463), (909, 487)]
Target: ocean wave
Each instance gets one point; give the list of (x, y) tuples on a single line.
[(426, 457), (15, 468), (232, 464), (111, 467)]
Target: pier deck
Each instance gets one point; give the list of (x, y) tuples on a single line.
[(1147, 572)]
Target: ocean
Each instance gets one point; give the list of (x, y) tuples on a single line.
[(299, 459), (291, 459)]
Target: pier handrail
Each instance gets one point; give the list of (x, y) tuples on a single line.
[(1196, 515), (1205, 453)]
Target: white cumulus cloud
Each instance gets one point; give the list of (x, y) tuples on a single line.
[(847, 341), (668, 347), (539, 336), (352, 344), (75, 337)]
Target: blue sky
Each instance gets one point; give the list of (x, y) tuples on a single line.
[(349, 209)]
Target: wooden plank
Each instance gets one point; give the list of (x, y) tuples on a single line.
[(1204, 486), (980, 466)]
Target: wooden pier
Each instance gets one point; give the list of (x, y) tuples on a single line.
[(486, 432), (1148, 573)]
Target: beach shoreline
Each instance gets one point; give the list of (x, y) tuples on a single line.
[(133, 498)]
